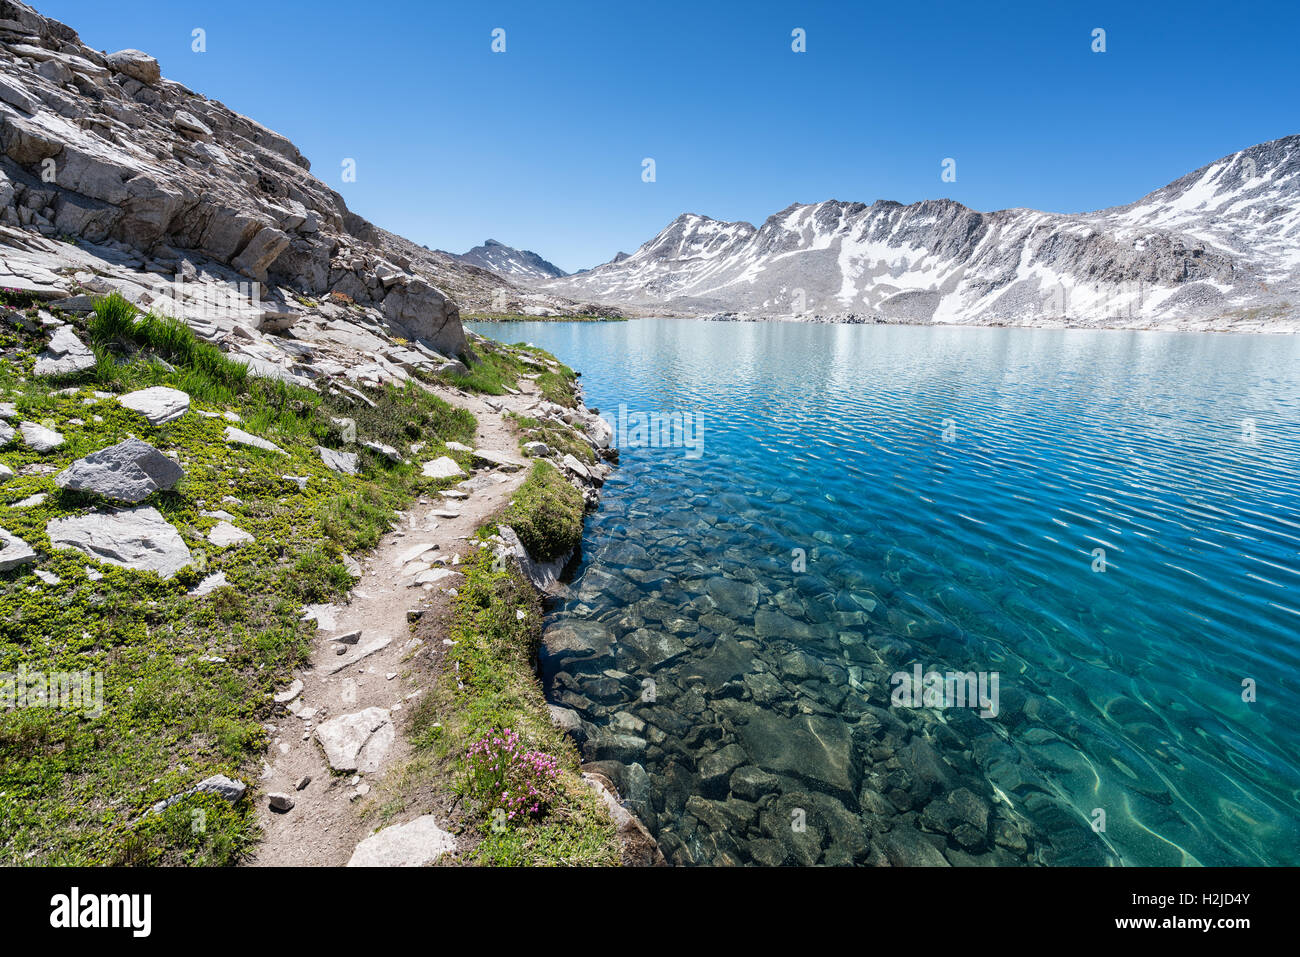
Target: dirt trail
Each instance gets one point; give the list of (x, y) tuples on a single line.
[(324, 826)]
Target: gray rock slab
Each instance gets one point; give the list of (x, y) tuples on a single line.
[(138, 538), (130, 471)]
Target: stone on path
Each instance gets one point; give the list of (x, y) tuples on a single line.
[(434, 575), (138, 538), (279, 801), (502, 460), (223, 534), (39, 438), (159, 404), (443, 468), (287, 695), (344, 462), (357, 653), (130, 471), (240, 437), (357, 742), (14, 551), (417, 843)]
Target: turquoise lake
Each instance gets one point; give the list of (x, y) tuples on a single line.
[(1108, 522)]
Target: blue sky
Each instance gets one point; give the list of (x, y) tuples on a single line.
[(541, 146)]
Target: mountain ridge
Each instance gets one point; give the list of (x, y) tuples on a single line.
[(1216, 245)]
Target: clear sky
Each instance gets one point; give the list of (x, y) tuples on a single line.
[(541, 146)]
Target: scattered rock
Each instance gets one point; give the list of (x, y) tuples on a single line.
[(357, 742), (344, 462), (417, 843), (240, 437), (135, 64), (130, 471), (502, 460), (223, 534), (39, 438), (159, 404), (138, 538), (279, 801), (65, 355), (14, 552), (218, 784), (287, 695), (443, 468)]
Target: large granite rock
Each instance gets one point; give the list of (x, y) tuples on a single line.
[(130, 471), (417, 843), (138, 538)]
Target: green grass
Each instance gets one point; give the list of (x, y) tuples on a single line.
[(557, 436), (493, 659), (500, 367), (546, 513), (74, 787)]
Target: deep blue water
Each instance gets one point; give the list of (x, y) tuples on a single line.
[(949, 488)]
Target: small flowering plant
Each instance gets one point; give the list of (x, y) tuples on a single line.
[(504, 775)]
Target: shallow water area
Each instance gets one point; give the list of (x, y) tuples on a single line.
[(1106, 522)]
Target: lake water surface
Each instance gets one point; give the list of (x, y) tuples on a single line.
[(1106, 522)]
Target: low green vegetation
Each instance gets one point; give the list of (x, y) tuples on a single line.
[(500, 367), (186, 680), (546, 513), (553, 434), (488, 685)]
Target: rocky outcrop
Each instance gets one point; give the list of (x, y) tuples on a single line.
[(104, 149)]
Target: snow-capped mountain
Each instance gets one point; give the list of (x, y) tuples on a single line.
[(517, 264), (1220, 244)]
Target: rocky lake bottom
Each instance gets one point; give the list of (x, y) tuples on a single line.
[(1105, 522)]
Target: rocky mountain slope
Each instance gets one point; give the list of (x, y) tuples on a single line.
[(115, 178), (1219, 247), (518, 264)]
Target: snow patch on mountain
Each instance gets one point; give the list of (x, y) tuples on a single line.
[(1220, 244)]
